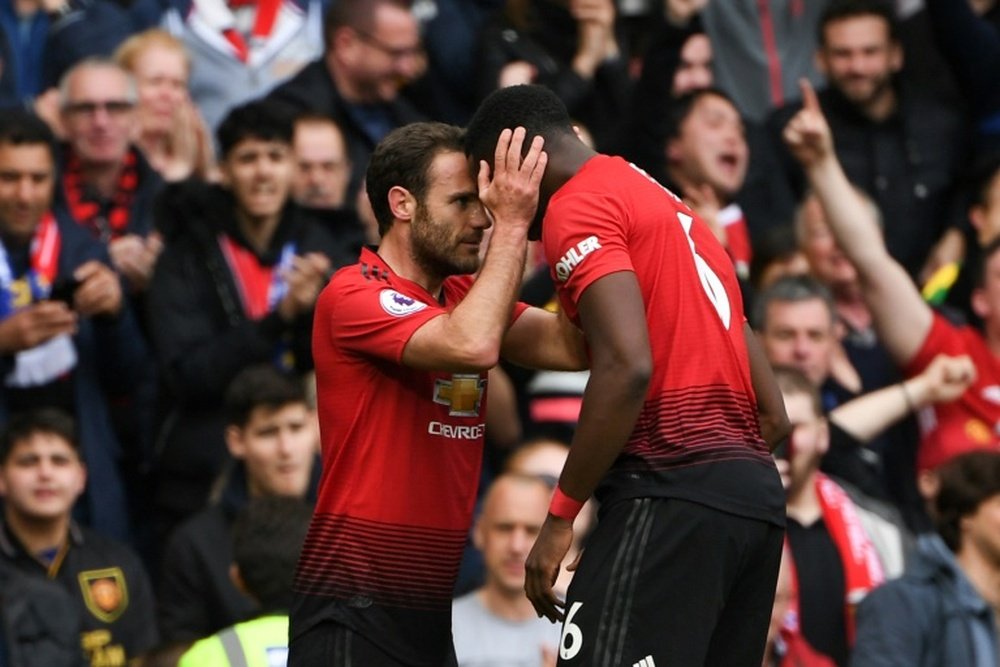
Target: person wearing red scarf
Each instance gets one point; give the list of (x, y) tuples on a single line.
[(106, 185), (834, 563)]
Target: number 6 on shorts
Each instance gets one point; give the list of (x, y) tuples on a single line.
[(572, 636)]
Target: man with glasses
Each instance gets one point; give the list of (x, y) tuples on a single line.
[(373, 50), (106, 184)]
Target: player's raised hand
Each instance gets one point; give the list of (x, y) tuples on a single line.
[(511, 194), (807, 134)]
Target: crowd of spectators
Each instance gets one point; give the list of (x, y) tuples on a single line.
[(180, 178)]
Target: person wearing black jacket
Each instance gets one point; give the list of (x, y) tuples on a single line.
[(271, 434), (373, 49), (235, 286), (41, 476)]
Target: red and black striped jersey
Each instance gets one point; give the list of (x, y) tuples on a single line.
[(401, 460), (698, 435)]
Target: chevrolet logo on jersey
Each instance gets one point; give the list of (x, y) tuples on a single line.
[(463, 394)]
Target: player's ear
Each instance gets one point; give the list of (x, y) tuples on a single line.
[(402, 203)]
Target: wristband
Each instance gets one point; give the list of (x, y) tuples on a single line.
[(910, 407), (563, 506)]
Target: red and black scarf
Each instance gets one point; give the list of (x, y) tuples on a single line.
[(105, 220)]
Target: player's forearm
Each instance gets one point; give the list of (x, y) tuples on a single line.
[(774, 424), (477, 325), (612, 402)]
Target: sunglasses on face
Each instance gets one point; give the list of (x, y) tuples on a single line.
[(111, 107)]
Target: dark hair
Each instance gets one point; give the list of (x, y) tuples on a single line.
[(23, 128), (793, 382), (261, 386), (791, 289), (48, 421), (265, 120), (403, 158), (535, 108), (965, 482), (680, 108), (981, 176), (777, 244), (839, 10), (355, 14), (267, 538)]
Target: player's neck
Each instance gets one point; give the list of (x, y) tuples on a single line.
[(566, 157), (508, 605), (37, 535)]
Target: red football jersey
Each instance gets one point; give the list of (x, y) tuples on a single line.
[(401, 463), (973, 420), (698, 435)]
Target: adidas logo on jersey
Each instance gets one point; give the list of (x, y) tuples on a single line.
[(645, 662), (574, 256)]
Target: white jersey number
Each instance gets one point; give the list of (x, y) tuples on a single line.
[(572, 636), (710, 282)]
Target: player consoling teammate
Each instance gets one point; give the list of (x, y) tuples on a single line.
[(682, 565), (402, 343)]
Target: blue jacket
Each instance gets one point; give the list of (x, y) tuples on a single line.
[(36, 59), (929, 617), (111, 358)]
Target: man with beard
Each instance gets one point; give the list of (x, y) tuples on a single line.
[(402, 344), (902, 146)]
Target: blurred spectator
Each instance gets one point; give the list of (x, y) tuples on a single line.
[(952, 284), (678, 63), (452, 36), (105, 183), (785, 648), (171, 133), (761, 47), (38, 624), (272, 436), (910, 330), (795, 319), (322, 163), (41, 476), (241, 50), (373, 49), (496, 624), (776, 255), (569, 46), (545, 458), (968, 33), (267, 537), (828, 264), (901, 145), (67, 337), (942, 612), (44, 38), (834, 561), (235, 286), (706, 163), (322, 172)]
